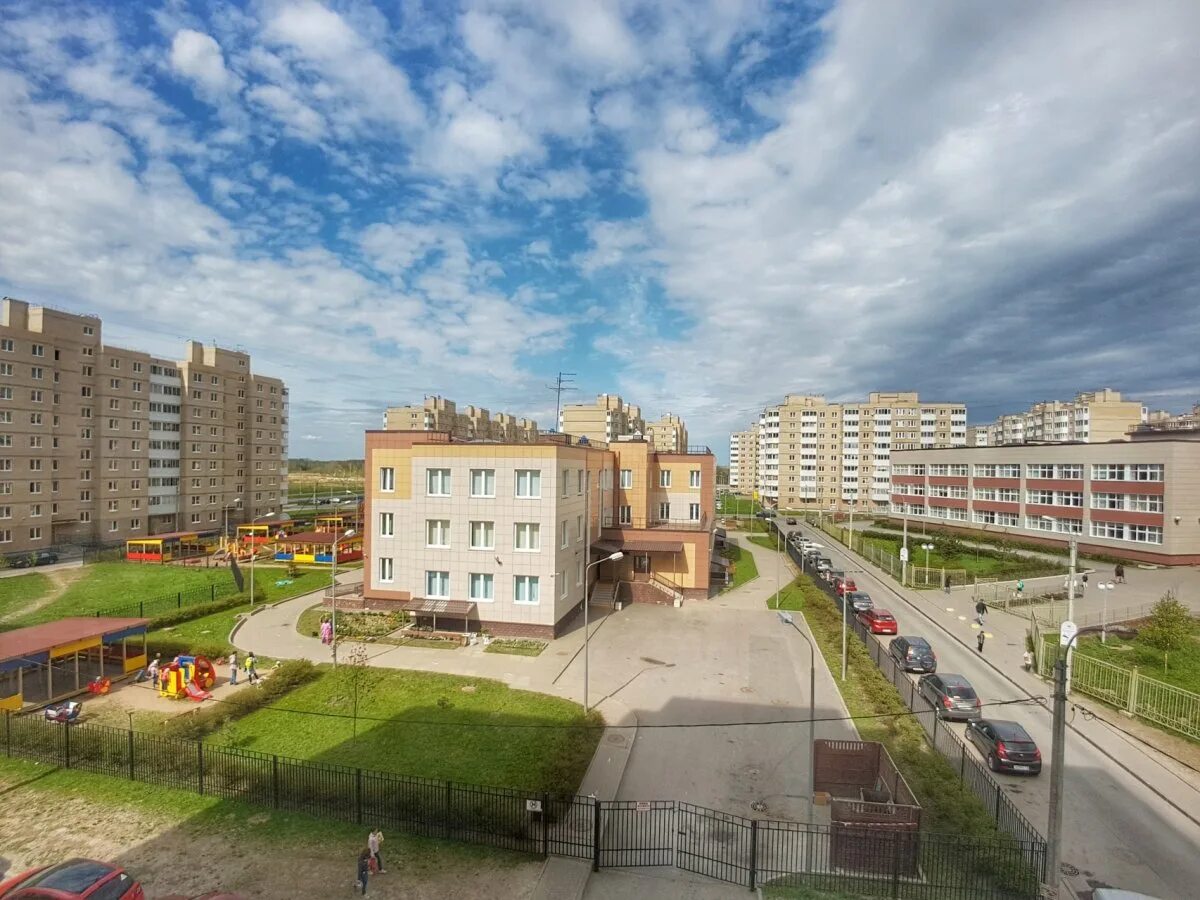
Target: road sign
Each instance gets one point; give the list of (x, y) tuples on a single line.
[(903, 554), (533, 806), (1067, 631), (643, 806)]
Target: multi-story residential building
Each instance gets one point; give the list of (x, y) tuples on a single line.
[(608, 419), (825, 455), (1137, 499), (977, 435), (500, 536), (668, 434), (743, 459), (1161, 420), (1092, 417), (471, 424), (100, 444)]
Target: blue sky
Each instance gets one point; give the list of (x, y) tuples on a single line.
[(700, 205)]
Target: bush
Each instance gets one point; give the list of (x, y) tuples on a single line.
[(198, 611), (1170, 626), (284, 678)]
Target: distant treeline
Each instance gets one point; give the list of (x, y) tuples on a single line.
[(350, 468)]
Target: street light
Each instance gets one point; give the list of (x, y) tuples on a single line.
[(927, 548), (1070, 592), (237, 501), (587, 599), (333, 587), (1105, 587), (1058, 750), (786, 619), (254, 550)]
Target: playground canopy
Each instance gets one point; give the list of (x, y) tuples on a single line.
[(167, 546), (316, 547), (38, 646)]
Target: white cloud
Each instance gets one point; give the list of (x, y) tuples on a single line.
[(298, 118), (617, 243), (197, 57)]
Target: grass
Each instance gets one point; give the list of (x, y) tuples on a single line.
[(516, 647), (438, 726), (350, 624), (744, 567), (1180, 668), (989, 563), (768, 541), (427, 643), (18, 590), (737, 504)]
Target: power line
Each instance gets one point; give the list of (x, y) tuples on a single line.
[(564, 382)]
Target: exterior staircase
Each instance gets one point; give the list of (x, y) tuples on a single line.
[(604, 592)]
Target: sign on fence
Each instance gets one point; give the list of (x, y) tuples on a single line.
[(1067, 631), (533, 806), (643, 806), (903, 554)]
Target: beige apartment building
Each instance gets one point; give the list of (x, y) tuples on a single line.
[(100, 444), (743, 459), (817, 454), (473, 423), (1137, 499), (668, 434), (1161, 420), (608, 419), (502, 536), (1093, 417)]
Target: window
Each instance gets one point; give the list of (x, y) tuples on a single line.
[(1146, 472), (1039, 470), (387, 479), (481, 587), (483, 535), (528, 537), (664, 511), (694, 478), (694, 512), (1145, 534), (35, 487), (579, 529), (627, 478), (37, 372), (35, 396), (579, 572), (1145, 503), (579, 482), (5, 535), (386, 569), (1071, 472), (525, 589), (566, 481), (7, 345), (437, 584), (6, 393), (35, 534), (625, 515), (387, 524), (437, 532), (1107, 472), (529, 483), (483, 482), (664, 478), (39, 350), (1108, 530), (437, 482)]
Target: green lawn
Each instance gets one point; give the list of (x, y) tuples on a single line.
[(737, 504), (1007, 567), (515, 647), (1180, 668), (769, 541), (438, 726), (744, 567), (18, 590)]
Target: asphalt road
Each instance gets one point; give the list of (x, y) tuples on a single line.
[(1116, 832)]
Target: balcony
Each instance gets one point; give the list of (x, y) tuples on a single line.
[(653, 522)]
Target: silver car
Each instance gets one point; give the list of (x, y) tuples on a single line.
[(951, 695)]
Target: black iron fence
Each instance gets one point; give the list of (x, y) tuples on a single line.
[(153, 607), (971, 771), (746, 852)]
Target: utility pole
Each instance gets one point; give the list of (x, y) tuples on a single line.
[(562, 383), (1070, 608)]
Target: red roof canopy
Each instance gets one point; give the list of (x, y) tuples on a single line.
[(40, 638)]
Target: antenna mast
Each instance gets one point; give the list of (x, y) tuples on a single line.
[(562, 383)]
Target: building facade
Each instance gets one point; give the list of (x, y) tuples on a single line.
[(473, 423), (1092, 417), (500, 536), (608, 419), (743, 459), (668, 434), (812, 453), (1136, 499), (100, 444), (1161, 420)]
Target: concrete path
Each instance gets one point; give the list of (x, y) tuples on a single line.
[(1132, 815)]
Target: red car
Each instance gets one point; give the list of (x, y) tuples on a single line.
[(75, 879), (880, 621), (842, 585)]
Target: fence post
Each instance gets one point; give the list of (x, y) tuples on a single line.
[(179, 600), (358, 816), (67, 744), (275, 781), (212, 592), (131, 769), (962, 763), (595, 835), (545, 825), (200, 767), (1131, 706), (895, 836), (753, 851), (449, 801), (141, 609), (999, 795), (8, 733)]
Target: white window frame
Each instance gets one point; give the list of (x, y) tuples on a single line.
[(387, 570), (694, 478), (564, 534), (437, 579), (477, 580), (532, 589), (437, 534), (387, 479), (487, 489), (387, 524), (532, 532), (437, 482), (664, 478), (626, 480), (486, 530), (528, 484)]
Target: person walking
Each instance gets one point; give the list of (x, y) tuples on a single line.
[(1028, 661), (233, 666), (946, 584), (251, 668), (1083, 587), (1119, 572), (980, 612), (374, 839), (364, 869), (979, 641)]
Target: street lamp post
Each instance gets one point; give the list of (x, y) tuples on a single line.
[(927, 548), (333, 587), (1105, 587), (587, 599), (787, 619), (237, 501)]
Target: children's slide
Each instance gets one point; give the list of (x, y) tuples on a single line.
[(195, 692)]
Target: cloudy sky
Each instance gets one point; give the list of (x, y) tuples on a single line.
[(700, 204)]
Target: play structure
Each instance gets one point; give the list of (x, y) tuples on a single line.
[(187, 676), (64, 713), (317, 547), (162, 548)]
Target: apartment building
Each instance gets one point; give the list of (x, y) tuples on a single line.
[(608, 419), (1136, 499), (668, 434), (500, 536), (1161, 420), (1092, 417), (743, 459), (824, 455), (473, 423), (99, 444)]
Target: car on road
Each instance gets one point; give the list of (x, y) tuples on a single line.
[(878, 621), (844, 585), (823, 564), (40, 558), (1006, 746), (75, 879), (913, 654), (950, 695), (860, 601), (791, 520)]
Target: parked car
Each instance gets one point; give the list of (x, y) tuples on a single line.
[(40, 558), (75, 879), (878, 621), (1006, 746), (913, 654), (791, 520), (844, 586), (761, 514), (824, 564), (860, 601), (950, 695)]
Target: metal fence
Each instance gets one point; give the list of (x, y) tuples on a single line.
[(730, 848), (153, 607)]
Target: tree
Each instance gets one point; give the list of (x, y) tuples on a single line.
[(1170, 626), (358, 679)]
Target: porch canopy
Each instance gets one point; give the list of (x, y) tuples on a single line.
[(454, 609), (635, 546)]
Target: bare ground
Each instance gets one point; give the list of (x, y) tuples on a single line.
[(61, 579)]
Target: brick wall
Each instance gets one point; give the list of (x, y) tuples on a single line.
[(522, 630)]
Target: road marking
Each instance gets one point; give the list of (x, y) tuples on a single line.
[(962, 618)]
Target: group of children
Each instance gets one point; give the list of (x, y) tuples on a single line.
[(370, 861), (250, 665)]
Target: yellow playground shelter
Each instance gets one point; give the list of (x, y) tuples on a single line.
[(161, 548), (317, 547)]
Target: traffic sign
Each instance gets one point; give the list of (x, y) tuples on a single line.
[(1067, 631), (903, 554), (533, 806)]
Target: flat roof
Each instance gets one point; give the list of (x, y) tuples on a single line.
[(318, 537), (24, 642)]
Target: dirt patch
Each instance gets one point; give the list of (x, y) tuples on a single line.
[(61, 579)]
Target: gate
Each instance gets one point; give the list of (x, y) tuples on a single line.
[(716, 844), (635, 833)]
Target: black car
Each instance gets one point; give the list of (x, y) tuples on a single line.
[(913, 654), (791, 520), (950, 695), (41, 558), (860, 601), (1006, 746)]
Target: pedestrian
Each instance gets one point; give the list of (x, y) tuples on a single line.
[(233, 667), (1119, 572), (1028, 659), (374, 839), (152, 671), (979, 641), (980, 611), (1083, 587), (1020, 589), (251, 668), (364, 869), (946, 584)]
